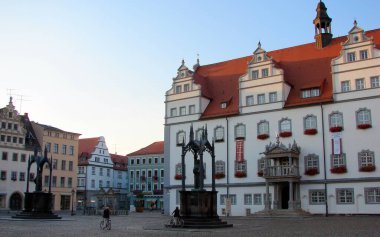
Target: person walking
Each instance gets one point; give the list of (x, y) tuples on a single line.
[(176, 215)]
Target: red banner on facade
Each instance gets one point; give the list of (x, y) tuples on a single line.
[(239, 150)]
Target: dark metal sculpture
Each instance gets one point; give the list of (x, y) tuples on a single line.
[(40, 162)]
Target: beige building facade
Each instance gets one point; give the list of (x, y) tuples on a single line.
[(62, 148)]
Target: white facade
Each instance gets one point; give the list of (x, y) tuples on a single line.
[(356, 191), (15, 151)]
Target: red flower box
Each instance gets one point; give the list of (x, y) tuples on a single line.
[(311, 171), (339, 170), (155, 178), (219, 175), (178, 177), (364, 126), (311, 131), (336, 129), (240, 174), (260, 173), (158, 191), (262, 136), (285, 134), (368, 168)]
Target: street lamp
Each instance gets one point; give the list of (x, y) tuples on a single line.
[(72, 201)]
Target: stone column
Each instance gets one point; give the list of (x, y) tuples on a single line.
[(201, 175), (267, 201), (275, 194), (183, 170), (291, 196)]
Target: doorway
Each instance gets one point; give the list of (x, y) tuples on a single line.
[(15, 202), (285, 195)]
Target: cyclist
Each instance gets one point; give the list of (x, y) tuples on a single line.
[(106, 214), (176, 215)]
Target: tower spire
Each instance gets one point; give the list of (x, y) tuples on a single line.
[(322, 24)]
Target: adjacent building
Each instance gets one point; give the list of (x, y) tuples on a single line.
[(98, 172), (17, 144), (146, 174), (294, 128), (62, 148)]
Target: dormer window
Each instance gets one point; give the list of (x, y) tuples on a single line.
[(186, 88), (223, 105), (351, 57), (312, 92), (259, 58)]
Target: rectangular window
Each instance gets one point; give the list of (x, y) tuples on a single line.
[(63, 165), (363, 54), (15, 127), (15, 157), (55, 164), (22, 176), (100, 171), (162, 160), (178, 89), (5, 155), (62, 182), (71, 150), (359, 84), (55, 148), (374, 82), (317, 197), (255, 74), (345, 86), (351, 57), (249, 100), (186, 87), (233, 199), (20, 140), (48, 146), (257, 199), (9, 126), (338, 160), (23, 158), (108, 172), (92, 183), (64, 149), (182, 110), (3, 175), (54, 182), (93, 169), (3, 138), (70, 166), (272, 97), (14, 175), (261, 99), (173, 112), (345, 196), (69, 182), (3, 125), (372, 195), (191, 109), (223, 199), (265, 72), (100, 183), (247, 199)]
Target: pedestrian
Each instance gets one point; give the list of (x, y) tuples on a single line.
[(176, 215)]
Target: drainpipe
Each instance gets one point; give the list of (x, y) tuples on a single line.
[(324, 163), (228, 166)]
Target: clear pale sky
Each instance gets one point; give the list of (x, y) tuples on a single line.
[(101, 68)]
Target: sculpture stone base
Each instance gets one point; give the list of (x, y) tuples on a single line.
[(37, 206), (199, 209)]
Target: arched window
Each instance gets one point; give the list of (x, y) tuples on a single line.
[(363, 117), (220, 167), (181, 138), (263, 127), (336, 119), (199, 134), (240, 131), (285, 125), (366, 160), (310, 122), (311, 164)]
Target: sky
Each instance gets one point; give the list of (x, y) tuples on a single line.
[(102, 68)]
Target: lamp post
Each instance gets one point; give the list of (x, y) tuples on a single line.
[(72, 201)]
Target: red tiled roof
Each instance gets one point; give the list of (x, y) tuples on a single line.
[(87, 146), (120, 162), (154, 148), (304, 66)]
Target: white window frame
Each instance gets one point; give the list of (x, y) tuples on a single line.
[(255, 74), (285, 125), (263, 127), (249, 100), (336, 119), (173, 112), (360, 84), (260, 99), (366, 158), (345, 196), (375, 82), (317, 197), (257, 199), (265, 72), (272, 97), (310, 122), (345, 86), (247, 199), (351, 57), (181, 137), (338, 160), (239, 131), (372, 195), (363, 54), (219, 134), (363, 116), (311, 161), (191, 109), (182, 110)]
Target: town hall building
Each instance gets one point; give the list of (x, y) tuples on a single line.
[(294, 129)]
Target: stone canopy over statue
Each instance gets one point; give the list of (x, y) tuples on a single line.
[(38, 203), (198, 207)]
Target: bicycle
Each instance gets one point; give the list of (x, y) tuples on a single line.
[(173, 222), (105, 224)]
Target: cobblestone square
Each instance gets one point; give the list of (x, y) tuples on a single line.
[(152, 224)]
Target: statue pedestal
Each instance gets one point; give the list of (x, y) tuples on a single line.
[(37, 206), (199, 209)]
